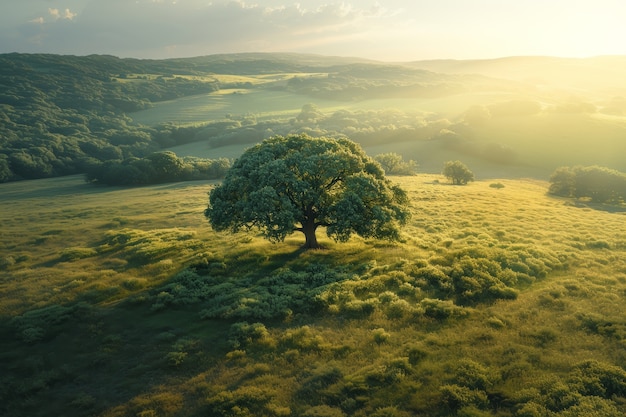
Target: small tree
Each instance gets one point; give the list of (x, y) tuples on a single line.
[(393, 164), (457, 172), (299, 183)]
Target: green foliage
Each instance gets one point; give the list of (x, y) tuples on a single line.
[(246, 401), (393, 164), (299, 183), (455, 397), (475, 275), (598, 324), (73, 111), (593, 378), (589, 389), (156, 168), (72, 254), (280, 293), (35, 325), (303, 339), (243, 334), (380, 336), (599, 184), (367, 329), (457, 172)]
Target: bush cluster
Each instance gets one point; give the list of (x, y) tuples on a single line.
[(36, 325), (279, 294), (589, 389), (473, 275)]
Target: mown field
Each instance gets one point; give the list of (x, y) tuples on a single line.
[(499, 301)]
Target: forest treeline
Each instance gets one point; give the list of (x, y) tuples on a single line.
[(156, 168), (61, 115)]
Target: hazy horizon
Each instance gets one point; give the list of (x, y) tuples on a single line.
[(394, 30)]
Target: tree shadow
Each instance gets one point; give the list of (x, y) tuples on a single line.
[(609, 208)]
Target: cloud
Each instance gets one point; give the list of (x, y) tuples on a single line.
[(393, 29), (57, 14), (163, 28)]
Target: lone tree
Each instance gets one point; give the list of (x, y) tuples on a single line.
[(457, 172), (299, 183)]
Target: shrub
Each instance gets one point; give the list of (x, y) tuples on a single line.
[(359, 308), (380, 336), (599, 379), (472, 375), (303, 339), (176, 358), (416, 354), (592, 406), (276, 295), (73, 254), (440, 309), (35, 325), (455, 397), (243, 334), (398, 309)]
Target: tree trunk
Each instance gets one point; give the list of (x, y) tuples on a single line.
[(309, 229)]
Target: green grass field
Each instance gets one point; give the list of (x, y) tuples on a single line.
[(499, 301)]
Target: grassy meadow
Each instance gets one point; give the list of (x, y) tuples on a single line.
[(499, 301), (520, 133)]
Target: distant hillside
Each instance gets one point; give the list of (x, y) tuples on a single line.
[(64, 115), (603, 73), (61, 114)]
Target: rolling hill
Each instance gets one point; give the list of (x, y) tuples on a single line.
[(519, 116)]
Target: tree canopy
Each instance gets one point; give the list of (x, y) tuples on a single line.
[(457, 172), (599, 184), (299, 183), (156, 168), (393, 164)]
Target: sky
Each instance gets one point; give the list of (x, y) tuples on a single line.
[(393, 30)]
